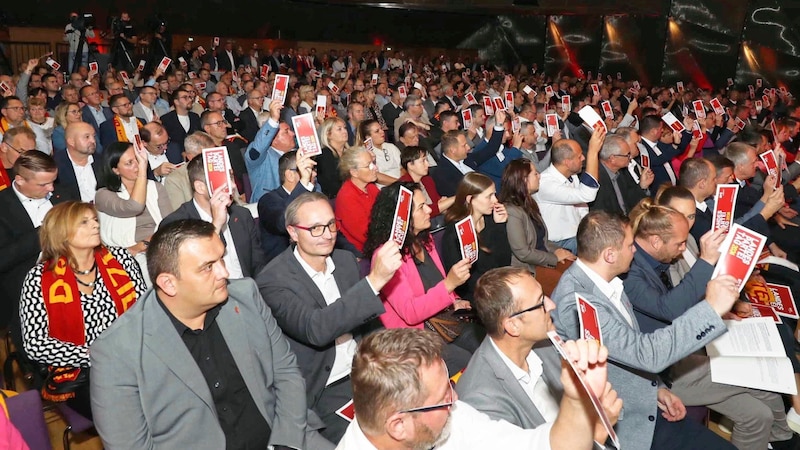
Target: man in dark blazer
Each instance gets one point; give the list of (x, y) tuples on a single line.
[(33, 184), (248, 117), (93, 110), (80, 151), (323, 305), (152, 386), (491, 384), (233, 223), (458, 160), (660, 153), (391, 111), (297, 177), (172, 122), (618, 193), (636, 358)]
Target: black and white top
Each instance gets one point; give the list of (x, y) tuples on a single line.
[(98, 314)]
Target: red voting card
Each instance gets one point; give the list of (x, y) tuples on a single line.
[(499, 104), (783, 90), (558, 343), (4, 87), (347, 412), (673, 122), (165, 62), (730, 81), (607, 111), (590, 116), (759, 82), (549, 90), (402, 91), (752, 91), (740, 124), (217, 168), (467, 239), (193, 75), (516, 125), (765, 100), (595, 89), (590, 325), (280, 88), (215, 42), (783, 300), (53, 63), (697, 133), (124, 75), (566, 103), (589, 75), (679, 85), (402, 216), (765, 311), (552, 124), (201, 50), (509, 101), (774, 129), (141, 65), (333, 87), (466, 117), (201, 86), (771, 164), (138, 146), (759, 106), (322, 103), (619, 75), (724, 205), (264, 71), (369, 145), (487, 106), (740, 251), (581, 73), (182, 61), (527, 90), (699, 109), (95, 68), (717, 106), (636, 85), (645, 161), (471, 98), (374, 80), (306, 132)]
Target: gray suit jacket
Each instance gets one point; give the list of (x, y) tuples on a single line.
[(147, 391), (489, 386), (635, 357)]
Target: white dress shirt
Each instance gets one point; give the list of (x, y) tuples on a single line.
[(87, 183), (36, 208), (563, 203), (613, 289), (532, 383), (231, 258)]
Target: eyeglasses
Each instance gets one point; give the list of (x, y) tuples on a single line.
[(74, 111), (448, 404), (319, 230), (17, 150), (371, 166), (532, 308), (164, 145), (626, 156), (184, 97), (123, 105), (221, 122), (15, 108)]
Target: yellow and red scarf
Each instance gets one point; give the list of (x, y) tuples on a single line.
[(120, 129), (62, 299), (5, 126)]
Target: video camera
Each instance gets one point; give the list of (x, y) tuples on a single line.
[(82, 21), (156, 22)]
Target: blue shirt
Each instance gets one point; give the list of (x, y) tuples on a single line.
[(262, 161)]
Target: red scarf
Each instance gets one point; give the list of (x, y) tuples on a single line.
[(5, 126), (5, 180), (62, 299), (121, 136)]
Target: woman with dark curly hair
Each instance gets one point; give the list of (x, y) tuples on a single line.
[(420, 295), (527, 233), (475, 197)]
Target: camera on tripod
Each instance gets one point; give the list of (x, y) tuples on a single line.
[(82, 21), (115, 24), (157, 22)]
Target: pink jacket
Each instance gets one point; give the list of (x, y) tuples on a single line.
[(407, 304), (10, 439)]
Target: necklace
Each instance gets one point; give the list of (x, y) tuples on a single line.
[(86, 272), (91, 284)]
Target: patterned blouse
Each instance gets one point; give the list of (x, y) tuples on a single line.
[(98, 314)]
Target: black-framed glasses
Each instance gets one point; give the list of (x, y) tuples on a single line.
[(319, 230), (445, 405), (221, 122), (164, 145), (628, 156), (532, 308)]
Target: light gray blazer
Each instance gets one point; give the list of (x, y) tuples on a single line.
[(635, 357), (148, 393), (489, 386)]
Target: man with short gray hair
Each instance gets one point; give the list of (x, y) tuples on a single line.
[(618, 193), (413, 112)]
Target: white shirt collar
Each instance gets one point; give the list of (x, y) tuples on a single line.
[(329, 265), (534, 365), (702, 206)]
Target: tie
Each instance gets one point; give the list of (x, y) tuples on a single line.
[(664, 276)]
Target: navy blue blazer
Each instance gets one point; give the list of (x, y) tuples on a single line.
[(177, 134), (447, 176), (271, 206), (66, 184), (668, 152)]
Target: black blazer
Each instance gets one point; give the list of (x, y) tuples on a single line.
[(66, 186), (177, 134), (86, 116), (271, 206), (447, 176), (248, 124), (606, 199), (243, 232)]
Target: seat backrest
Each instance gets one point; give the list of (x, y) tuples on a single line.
[(25, 412)]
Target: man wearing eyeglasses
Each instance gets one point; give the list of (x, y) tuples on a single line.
[(618, 192), (12, 114), (156, 142), (323, 305), (214, 123), (124, 126), (15, 142), (93, 112), (405, 400), (179, 123), (515, 375)]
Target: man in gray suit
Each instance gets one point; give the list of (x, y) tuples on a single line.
[(322, 303), (515, 373), (605, 250), (199, 362)]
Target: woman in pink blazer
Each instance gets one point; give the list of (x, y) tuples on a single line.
[(420, 295)]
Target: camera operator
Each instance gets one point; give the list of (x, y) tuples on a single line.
[(72, 34), (160, 45), (125, 40)]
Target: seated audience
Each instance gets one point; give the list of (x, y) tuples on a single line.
[(66, 113), (618, 192), (387, 155), (333, 139), (415, 161), (357, 195)]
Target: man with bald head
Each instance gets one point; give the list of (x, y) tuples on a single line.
[(77, 170), (563, 195)]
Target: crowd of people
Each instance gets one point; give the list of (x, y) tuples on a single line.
[(176, 316)]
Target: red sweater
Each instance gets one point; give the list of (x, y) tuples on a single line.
[(353, 209)]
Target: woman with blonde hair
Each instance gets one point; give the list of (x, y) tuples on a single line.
[(66, 113), (475, 198), (71, 297), (333, 138)]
